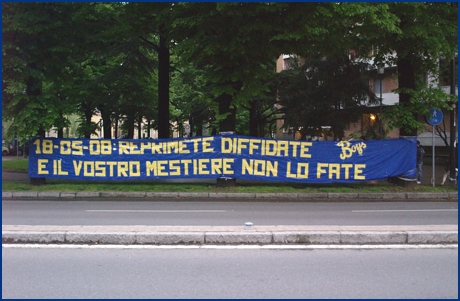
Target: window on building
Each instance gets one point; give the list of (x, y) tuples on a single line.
[(377, 86)]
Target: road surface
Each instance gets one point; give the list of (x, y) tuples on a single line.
[(228, 273), (225, 213)]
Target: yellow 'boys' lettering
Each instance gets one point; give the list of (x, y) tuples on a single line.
[(348, 151)]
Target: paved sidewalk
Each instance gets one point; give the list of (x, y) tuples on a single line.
[(224, 235), (210, 196)]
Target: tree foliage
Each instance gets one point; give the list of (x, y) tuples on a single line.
[(324, 91), (212, 64), (427, 32)]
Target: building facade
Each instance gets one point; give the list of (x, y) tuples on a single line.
[(383, 85)]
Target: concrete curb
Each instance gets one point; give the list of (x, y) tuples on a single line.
[(170, 235), (406, 196)]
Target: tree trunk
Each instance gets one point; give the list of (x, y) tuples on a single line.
[(34, 88), (229, 123), (148, 129), (199, 130), (406, 79), (88, 114), (253, 121), (115, 131), (261, 128), (130, 123), (41, 133), (163, 87), (106, 124), (139, 128)]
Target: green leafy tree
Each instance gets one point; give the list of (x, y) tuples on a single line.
[(324, 91), (231, 41), (191, 98), (427, 32), (152, 24), (263, 114), (37, 56)]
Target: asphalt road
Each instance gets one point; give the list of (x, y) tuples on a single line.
[(229, 273), (225, 213)]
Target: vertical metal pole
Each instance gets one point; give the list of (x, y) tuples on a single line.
[(381, 75), (452, 125), (433, 157), (380, 118)]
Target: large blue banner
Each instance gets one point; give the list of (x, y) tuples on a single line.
[(233, 156)]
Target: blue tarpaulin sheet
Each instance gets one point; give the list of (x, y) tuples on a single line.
[(231, 156)]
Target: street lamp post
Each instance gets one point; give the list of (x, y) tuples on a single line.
[(380, 72)]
